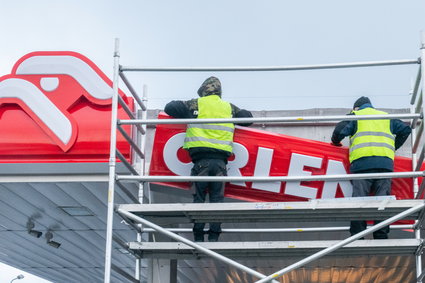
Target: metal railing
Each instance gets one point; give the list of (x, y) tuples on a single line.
[(416, 117), (271, 68), (138, 152)]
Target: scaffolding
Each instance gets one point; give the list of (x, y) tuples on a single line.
[(147, 217)]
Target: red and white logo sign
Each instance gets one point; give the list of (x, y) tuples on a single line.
[(56, 106), (261, 153)]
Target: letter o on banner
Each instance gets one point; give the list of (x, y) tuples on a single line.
[(170, 156)]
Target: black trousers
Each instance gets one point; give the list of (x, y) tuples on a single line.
[(208, 167), (362, 188)]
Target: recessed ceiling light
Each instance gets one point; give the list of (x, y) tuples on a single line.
[(77, 210)]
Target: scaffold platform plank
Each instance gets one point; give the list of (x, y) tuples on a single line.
[(270, 249), (317, 210)]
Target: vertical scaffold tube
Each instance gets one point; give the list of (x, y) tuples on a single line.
[(413, 138), (417, 229), (142, 172), (112, 158)]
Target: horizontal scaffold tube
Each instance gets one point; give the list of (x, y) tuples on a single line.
[(270, 68), (341, 177), (269, 119), (274, 230)]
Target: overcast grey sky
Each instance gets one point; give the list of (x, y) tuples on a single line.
[(232, 33)]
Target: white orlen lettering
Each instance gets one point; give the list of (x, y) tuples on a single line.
[(262, 168), (330, 187), (296, 168), (240, 161), (183, 169)]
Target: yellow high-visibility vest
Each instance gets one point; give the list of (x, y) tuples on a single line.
[(373, 137), (214, 135)]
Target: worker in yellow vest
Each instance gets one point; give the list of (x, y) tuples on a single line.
[(372, 147), (209, 145)]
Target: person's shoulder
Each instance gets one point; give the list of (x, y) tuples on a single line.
[(192, 104)]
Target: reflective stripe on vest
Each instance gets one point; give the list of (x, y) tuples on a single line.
[(212, 135), (373, 137)]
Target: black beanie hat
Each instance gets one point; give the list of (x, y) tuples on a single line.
[(362, 100)]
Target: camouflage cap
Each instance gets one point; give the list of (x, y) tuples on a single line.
[(210, 86)]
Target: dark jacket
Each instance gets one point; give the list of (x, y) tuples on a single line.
[(371, 163), (189, 110)]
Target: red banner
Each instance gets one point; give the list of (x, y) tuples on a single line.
[(56, 107), (261, 153)]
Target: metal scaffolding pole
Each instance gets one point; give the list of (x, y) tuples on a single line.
[(416, 85), (270, 119), (418, 229), (272, 68), (142, 171), (146, 179), (112, 165), (342, 243), (276, 230), (270, 178), (413, 139)]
